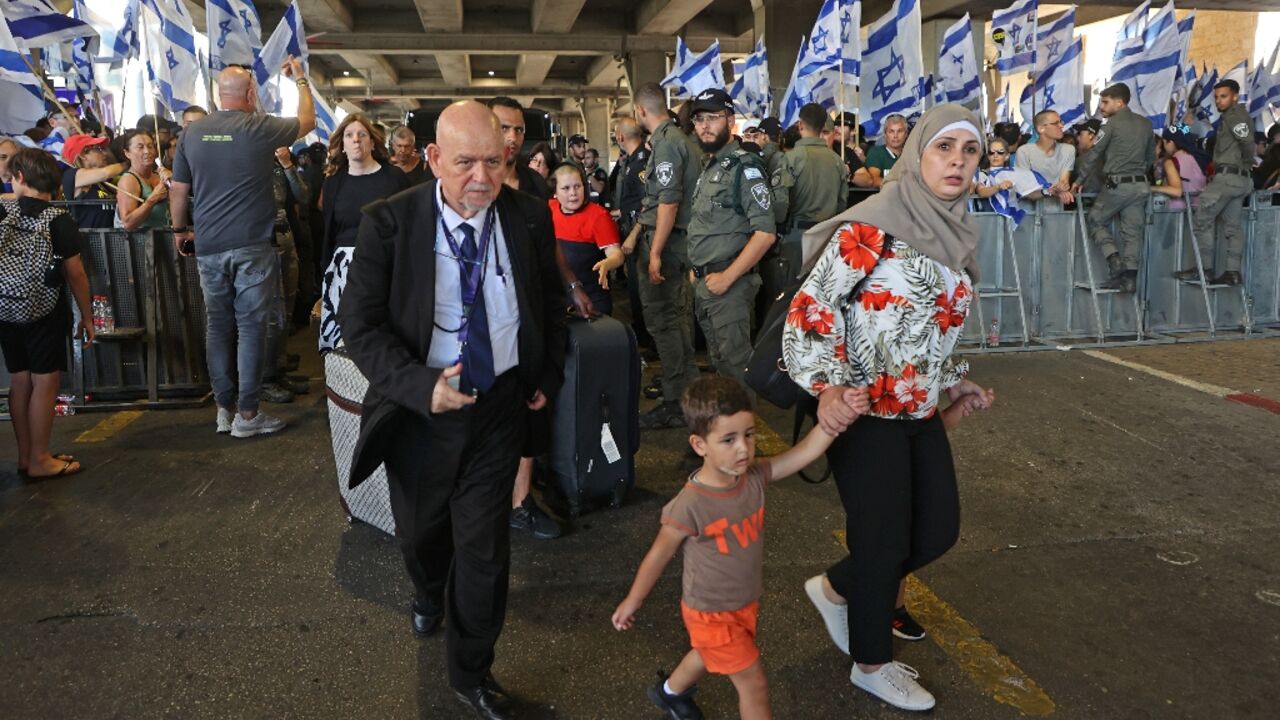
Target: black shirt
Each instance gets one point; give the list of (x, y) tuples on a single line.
[(89, 215), (345, 194), (629, 185), (420, 174), (531, 182)]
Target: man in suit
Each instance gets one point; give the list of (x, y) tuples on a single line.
[(457, 335)]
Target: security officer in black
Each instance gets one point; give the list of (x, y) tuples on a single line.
[(1126, 148), (627, 191), (1222, 199), (731, 228)]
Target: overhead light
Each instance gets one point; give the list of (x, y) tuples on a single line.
[(490, 73), (346, 73)]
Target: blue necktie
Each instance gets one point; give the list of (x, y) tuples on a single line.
[(477, 353)]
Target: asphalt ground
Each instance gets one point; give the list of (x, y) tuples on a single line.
[(1118, 559)]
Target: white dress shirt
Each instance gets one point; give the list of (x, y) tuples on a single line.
[(501, 306)]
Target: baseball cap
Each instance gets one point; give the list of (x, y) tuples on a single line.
[(76, 144), (1181, 136), (1092, 125), (713, 100), (751, 129), (770, 126), (577, 140)]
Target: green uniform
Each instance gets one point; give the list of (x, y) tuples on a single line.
[(669, 177), (732, 201), (1220, 202), (1126, 148), (818, 189), (774, 159)]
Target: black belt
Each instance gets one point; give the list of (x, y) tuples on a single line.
[(1118, 179), (705, 270), (805, 224), (1231, 170)]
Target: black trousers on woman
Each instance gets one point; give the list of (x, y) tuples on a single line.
[(897, 483)]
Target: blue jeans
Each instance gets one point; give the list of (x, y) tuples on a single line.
[(240, 292)]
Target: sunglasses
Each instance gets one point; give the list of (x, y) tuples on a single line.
[(997, 152)]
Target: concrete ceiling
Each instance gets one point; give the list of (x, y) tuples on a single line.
[(388, 56)]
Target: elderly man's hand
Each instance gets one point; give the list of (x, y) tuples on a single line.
[(444, 398), (292, 68)]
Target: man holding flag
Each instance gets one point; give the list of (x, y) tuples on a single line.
[(1220, 202)]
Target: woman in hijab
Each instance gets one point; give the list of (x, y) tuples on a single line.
[(880, 312)]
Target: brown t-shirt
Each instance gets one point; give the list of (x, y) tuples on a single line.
[(724, 555)]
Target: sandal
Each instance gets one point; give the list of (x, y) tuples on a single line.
[(66, 470), (64, 457)]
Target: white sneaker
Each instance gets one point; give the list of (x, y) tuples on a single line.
[(225, 418), (835, 616), (261, 424), (894, 683)]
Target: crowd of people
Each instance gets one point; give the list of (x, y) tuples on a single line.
[(872, 247)]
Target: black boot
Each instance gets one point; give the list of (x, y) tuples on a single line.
[(677, 707), (1115, 265), (1230, 277)]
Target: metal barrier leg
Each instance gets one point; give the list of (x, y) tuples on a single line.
[(1209, 308), (1092, 285), (1017, 283)]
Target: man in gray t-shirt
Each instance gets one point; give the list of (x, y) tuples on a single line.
[(1050, 157), (227, 159)]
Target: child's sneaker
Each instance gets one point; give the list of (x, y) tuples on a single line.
[(225, 418), (676, 707), (905, 626), (894, 683), (835, 616)]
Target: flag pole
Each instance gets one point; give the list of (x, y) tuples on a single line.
[(843, 148)]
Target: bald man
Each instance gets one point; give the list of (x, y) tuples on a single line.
[(228, 159), (456, 341)]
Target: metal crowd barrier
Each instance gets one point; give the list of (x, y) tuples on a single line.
[(1040, 283), (155, 357)]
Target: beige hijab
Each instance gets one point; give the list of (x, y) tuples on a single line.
[(908, 210)]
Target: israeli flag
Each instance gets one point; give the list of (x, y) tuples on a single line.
[(892, 66), (1060, 86), (1129, 39), (750, 91), (119, 38), (171, 52), (672, 80), (1273, 72), (21, 103), (289, 38), (796, 95), (1004, 111), (958, 80), (702, 72), (834, 48), (82, 52), (35, 23), (326, 120), (1202, 103), (1054, 39), (1153, 73), (235, 33), (1017, 51), (1025, 182)]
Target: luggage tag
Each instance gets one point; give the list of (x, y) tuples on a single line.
[(608, 445)]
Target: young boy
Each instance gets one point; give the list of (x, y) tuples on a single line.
[(718, 517)]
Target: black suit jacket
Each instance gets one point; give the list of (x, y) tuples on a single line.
[(387, 313)]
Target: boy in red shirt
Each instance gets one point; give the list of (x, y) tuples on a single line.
[(718, 518)]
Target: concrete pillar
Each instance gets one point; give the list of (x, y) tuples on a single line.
[(785, 22), (597, 131), (643, 67)]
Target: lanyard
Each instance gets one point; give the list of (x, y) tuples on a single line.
[(474, 272)]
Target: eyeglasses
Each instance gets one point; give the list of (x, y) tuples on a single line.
[(707, 118)]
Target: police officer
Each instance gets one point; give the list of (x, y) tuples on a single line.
[(1220, 202), (1126, 147), (731, 228), (627, 184), (662, 253), (1086, 133), (816, 181)]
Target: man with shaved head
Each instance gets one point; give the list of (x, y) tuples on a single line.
[(228, 159), (457, 338)]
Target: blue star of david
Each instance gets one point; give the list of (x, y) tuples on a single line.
[(884, 90), (1014, 32), (248, 25), (1048, 96), (1053, 46), (958, 59), (173, 63), (820, 41), (225, 28), (1137, 89), (846, 19)]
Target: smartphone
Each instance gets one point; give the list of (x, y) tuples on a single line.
[(188, 247)]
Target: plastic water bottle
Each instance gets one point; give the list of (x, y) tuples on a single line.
[(993, 337), (99, 312), (64, 409)]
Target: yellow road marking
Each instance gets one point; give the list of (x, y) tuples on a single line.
[(993, 673), (109, 426), (768, 442)]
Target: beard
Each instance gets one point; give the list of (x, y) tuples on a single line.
[(713, 146)]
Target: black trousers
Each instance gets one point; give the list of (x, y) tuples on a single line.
[(897, 483), (450, 479)]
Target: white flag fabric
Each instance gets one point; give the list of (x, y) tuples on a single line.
[(1004, 109), (21, 103), (1054, 38), (892, 67), (702, 72), (957, 78), (119, 37), (326, 120), (1129, 39), (36, 24), (1152, 73), (1202, 101), (235, 33), (1060, 86), (171, 52), (289, 38), (672, 80), (834, 50), (750, 91), (1017, 52)]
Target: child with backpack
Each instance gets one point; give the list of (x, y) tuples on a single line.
[(39, 252)]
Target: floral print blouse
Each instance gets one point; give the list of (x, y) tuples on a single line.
[(894, 335)]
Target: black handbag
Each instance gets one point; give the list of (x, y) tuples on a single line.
[(766, 374)]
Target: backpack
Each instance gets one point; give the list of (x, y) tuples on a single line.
[(29, 281)]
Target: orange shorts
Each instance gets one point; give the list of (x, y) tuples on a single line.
[(725, 640)]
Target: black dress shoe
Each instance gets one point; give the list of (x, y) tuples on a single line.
[(653, 390), (426, 618), (1191, 275), (487, 701), (1230, 277)]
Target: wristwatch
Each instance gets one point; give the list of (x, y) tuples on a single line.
[(574, 285), (302, 82), (182, 229)]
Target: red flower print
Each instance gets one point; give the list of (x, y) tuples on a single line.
[(842, 353), (948, 315), (809, 315), (883, 401), (909, 390), (861, 246), (879, 299)]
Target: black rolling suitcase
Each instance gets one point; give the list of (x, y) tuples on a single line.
[(595, 428)]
